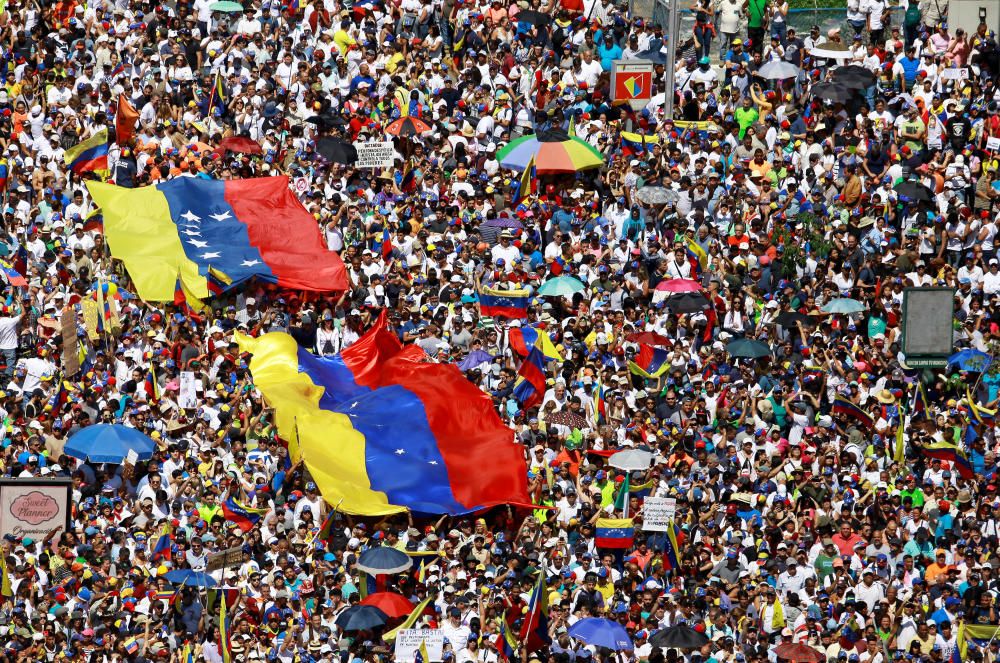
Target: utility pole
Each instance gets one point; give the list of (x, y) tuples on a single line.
[(673, 29)]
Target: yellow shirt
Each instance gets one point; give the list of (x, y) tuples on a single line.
[(393, 63), (343, 41)]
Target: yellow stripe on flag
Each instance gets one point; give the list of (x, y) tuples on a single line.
[(140, 233), (338, 469), (409, 621)]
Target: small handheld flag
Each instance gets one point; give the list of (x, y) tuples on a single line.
[(504, 303), (615, 533), (243, 516), (90, 156)]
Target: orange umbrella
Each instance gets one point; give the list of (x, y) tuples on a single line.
[(407, 126)]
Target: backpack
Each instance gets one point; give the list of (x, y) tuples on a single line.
[(912, 16)]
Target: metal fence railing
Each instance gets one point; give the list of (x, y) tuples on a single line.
[(801, 19)]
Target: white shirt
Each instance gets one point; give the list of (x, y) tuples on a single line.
[(8, 332)]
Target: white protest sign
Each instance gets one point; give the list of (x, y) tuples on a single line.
[(301, 185), (374, 154), (408, 643), (953, 74), (657, 513), (993, 143), (188, 396)]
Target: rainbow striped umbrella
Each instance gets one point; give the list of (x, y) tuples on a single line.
[(553, 152)]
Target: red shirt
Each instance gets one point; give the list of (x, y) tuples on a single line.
[(846, 545)]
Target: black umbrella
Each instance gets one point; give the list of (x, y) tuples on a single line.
[(532, 17), (326, 121), (748, 349), (688, 302), (335, 150), (790, 318), (361, 618), (914, 191), (680, 636), (854, 76), (655, 56), (832, 91)]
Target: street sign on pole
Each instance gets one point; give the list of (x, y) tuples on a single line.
[(632, 81)]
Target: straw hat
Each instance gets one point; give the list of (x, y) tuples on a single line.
[(885, 396)]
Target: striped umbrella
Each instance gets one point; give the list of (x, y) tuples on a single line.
[(552, 152), (407, 126)]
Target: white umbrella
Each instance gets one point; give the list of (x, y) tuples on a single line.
[(777, 70), (631, 459), (831, 50), (655, 195)]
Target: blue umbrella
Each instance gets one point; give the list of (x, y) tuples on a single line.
[(970, 360), (190, 578), (383, 560), (361, 618), (601, 633), (109, 443)]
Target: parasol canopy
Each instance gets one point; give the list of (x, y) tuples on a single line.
[(407, 126), (551, 152)]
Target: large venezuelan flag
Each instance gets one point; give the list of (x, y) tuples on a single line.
[(89, 156), (193, 230), (381, 430)]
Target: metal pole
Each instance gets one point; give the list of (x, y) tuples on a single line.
[(673, 28)]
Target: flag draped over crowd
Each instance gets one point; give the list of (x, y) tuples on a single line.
[(209, 235), (412, 435)]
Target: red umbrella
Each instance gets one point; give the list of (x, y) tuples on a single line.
[(240, 145), (678, 285), (392, 604), (650, 338), (798, 653), (407, 126)]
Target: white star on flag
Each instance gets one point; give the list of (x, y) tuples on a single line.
[(191, 216), (250, 263), (197, 243), (400, 452), (192, 233), (207, 256), (432, 462), (220, 217)]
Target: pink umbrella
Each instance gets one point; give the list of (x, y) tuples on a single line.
[(678, 285)]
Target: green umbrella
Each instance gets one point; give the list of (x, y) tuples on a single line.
[(561, 286), (747, 348), (226, 6), (844, 305)]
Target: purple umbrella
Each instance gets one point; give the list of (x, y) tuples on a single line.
[(475, 358), (504, 222)]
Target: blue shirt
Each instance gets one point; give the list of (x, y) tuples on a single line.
[(910, 67), (608, 55)]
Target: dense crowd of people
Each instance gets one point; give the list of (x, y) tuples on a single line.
[(810, 508)]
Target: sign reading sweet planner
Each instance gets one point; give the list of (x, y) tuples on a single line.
[(408, 643), (374, 154), (34, 507)]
